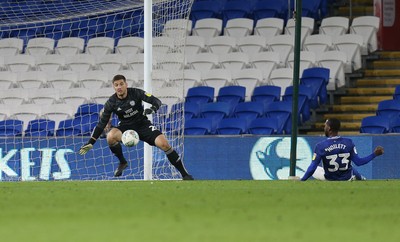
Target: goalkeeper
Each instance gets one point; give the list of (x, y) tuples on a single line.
[(127, 104), (337, 155)]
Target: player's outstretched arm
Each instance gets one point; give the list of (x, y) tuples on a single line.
[(379, 151)]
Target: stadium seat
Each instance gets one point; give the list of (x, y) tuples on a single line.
[(269, 27), (395, 125), (307, 60), (26, 113), (40, 46), (99, 46), (232, 126), (375, 125), (11, 46), (307, 27), (396, 94), (194, 45), (199, 126), (282, 111), (20, 63), (130, 45), (318, 43), (264, 126), (282, 77), (335, 61), (31, 79), (81, 125), (231, 94), (317, 78), (234, 61), (248, 78), (239, 27), (8, 80), (75, 96), (304, 98), (217, 78), (14, 97), (62, 80), (249, 110), (269, 9), (266, 62), (81, 62), (11, 127), (101, 95), (191, 110), (189, 78), (4, 111), (40, 127), (50, 63), (334, 26), (252, 44), (215, 110), (178, 27), (221, 44), (44, 96), (201, 94), (70, 46), (350, 44), (93, 79), (88, 108), (163, 44), (203, 62), (368, 27), (111, 62), (58, 112), (172, 62), (207, 27), (266, 93), (389, 109), (205, 9), (283, 44)]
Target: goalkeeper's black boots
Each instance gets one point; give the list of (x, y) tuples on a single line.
[(188, 177), (120, 169)]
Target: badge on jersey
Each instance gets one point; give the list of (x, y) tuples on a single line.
[(147, 94), (314, 156), (132, 103)]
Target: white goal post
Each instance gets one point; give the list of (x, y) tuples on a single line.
[(57, 63)]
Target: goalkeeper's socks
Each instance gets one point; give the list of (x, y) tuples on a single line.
[(117, 150), (175, 160)]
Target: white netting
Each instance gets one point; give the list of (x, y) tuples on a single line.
[(57, 59)]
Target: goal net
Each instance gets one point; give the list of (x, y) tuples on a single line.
[(57, 60)]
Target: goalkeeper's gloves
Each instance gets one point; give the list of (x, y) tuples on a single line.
[(150, 110), (86, 147)]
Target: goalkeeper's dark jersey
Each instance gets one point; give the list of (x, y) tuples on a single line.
[(129, 110)]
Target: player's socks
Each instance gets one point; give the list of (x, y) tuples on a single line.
[(175, 160), (117, 150)]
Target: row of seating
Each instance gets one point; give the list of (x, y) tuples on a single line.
[(387, 118)]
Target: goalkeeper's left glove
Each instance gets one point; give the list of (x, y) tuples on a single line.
[(85, 148), (150, 110)]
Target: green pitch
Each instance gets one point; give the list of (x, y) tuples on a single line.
[(200, 211)]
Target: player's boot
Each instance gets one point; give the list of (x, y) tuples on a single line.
[(188, 177), (120, 169)]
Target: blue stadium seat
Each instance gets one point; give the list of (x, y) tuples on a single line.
[(389, 109), (395, 125), (269, 9), (205, 9), (249, 110), (232, 126), (304, 97), (236, 9), (310, 8), (199, 126), (231, 94), (282, 111), (266, 94), (40, 127), (216, 110), (317, 78), (264, 126), (375, 125), (200, 95), (396, 94), (81, 125), (191, 110), (11, 127), (88, 108)]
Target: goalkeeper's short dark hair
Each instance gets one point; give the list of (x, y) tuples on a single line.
[(334, 124), (119, 77)]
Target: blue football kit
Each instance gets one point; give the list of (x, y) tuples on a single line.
[(337, 154)]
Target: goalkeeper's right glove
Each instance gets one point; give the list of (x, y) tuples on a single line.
[(85, 148)]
